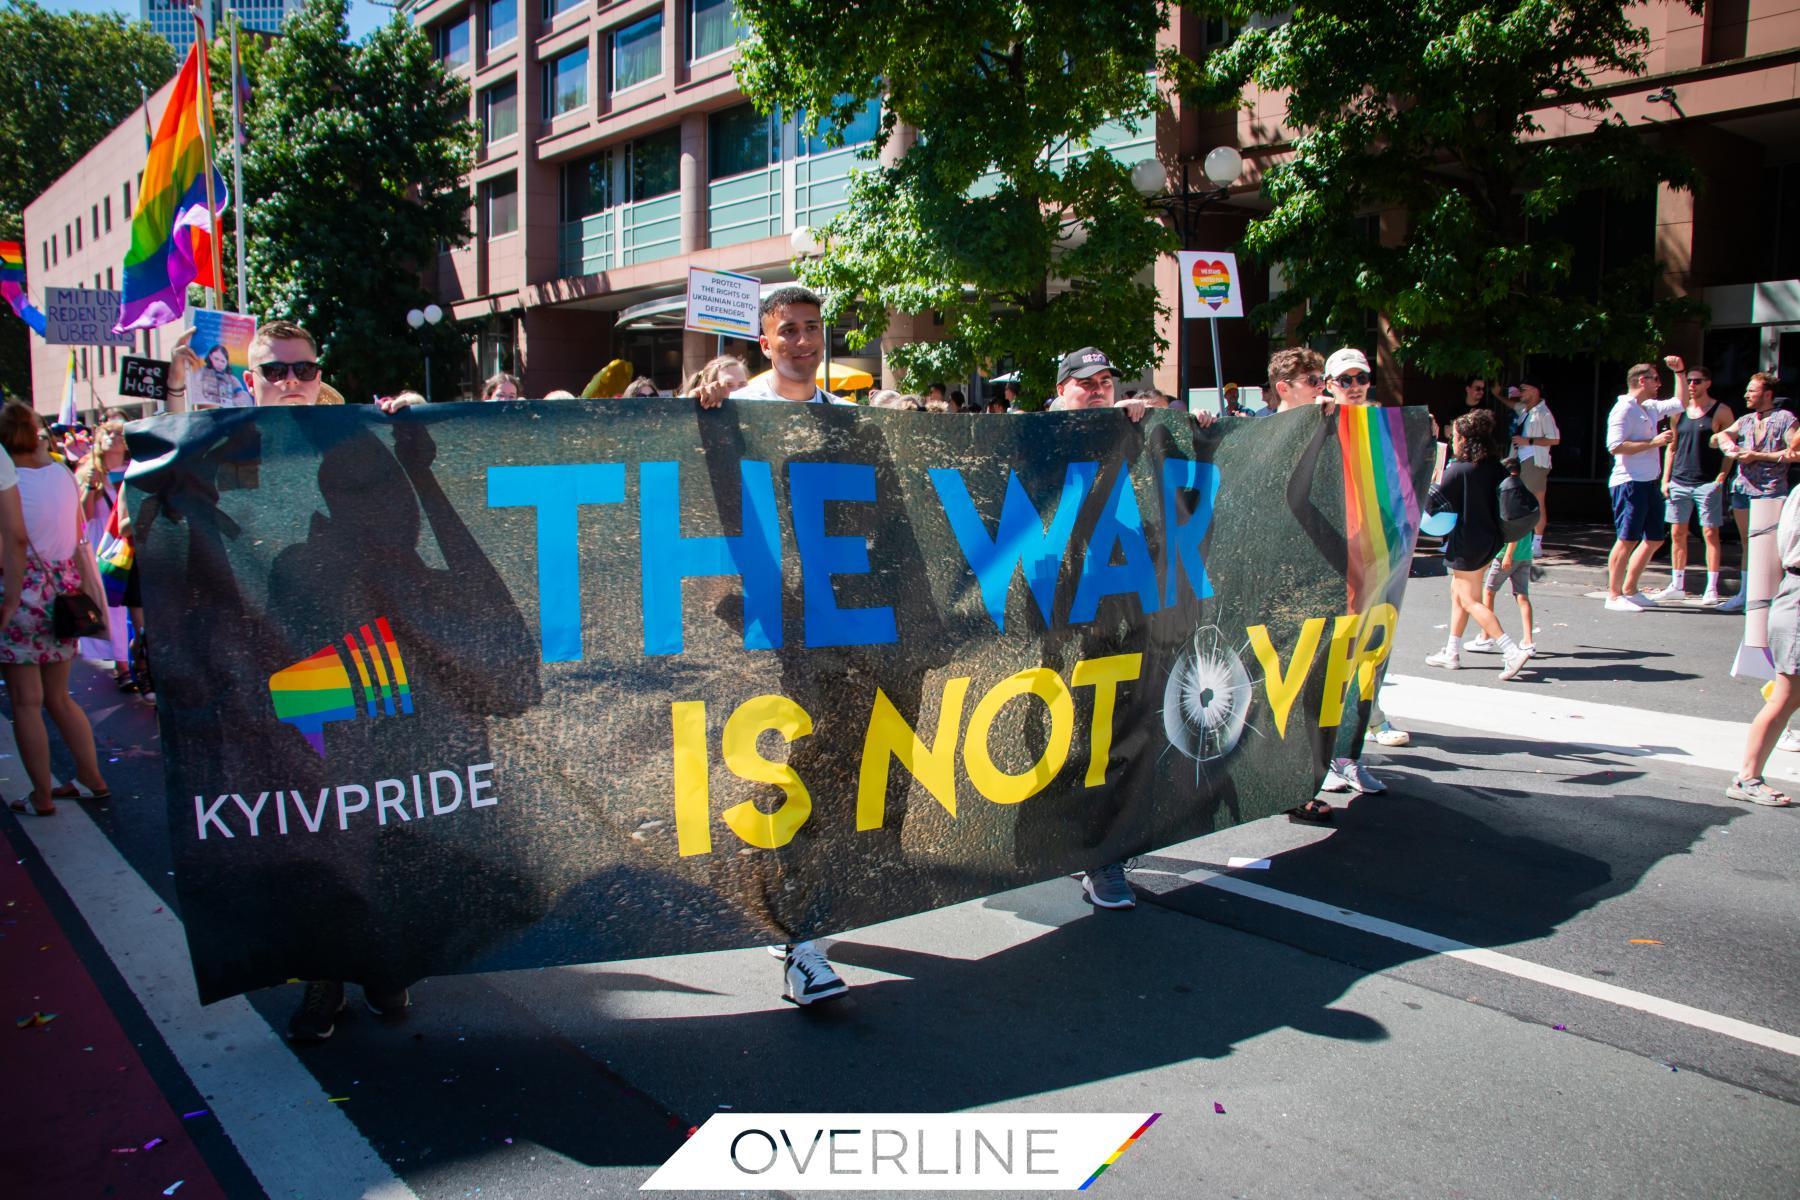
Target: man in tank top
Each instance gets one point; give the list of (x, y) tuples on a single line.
[(1694, 474)]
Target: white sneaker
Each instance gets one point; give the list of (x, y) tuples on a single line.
[(1387, 735), (1708, 599), (1789, 741), (1337, 778), (1444, 659), (1481, 643), (1643, 601), (809, 975), (1671, 592), (1360, 777), (1515, 662), (1733, 605), (1621, 604), (1529, 649)]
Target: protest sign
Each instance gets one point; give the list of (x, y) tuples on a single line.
[(145, 378), (1210, 286), (222, 340), (723, 302), (549, 683), (82, 317)]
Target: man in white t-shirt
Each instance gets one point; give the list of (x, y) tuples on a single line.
[(793, 336), (1534, 433), (1636, 445)]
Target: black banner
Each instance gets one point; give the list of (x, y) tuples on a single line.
[(494, 686)]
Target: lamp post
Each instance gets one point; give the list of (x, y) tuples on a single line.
[(1222, 166), (418, 318), (805, 243)]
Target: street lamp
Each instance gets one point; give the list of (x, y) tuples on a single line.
[(806, 243), (1183, 206), (418, 318)]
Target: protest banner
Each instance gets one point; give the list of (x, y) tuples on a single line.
[(468, 690), (82, 317)]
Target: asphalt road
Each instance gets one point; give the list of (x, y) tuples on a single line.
[(1456, 1051)]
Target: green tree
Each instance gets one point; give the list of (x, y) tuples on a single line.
[(975, 221), (67, 81), (1437, 112), (353, 177)]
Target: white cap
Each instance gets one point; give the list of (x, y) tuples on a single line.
[(1344, 360)]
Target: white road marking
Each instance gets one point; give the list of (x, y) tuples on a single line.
[(1526, 713), (1519, 968), (281, 1121)]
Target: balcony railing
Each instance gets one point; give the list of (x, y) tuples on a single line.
[(744, 207), (587, 245)]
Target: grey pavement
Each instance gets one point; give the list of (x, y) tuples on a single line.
[(1347, 1064)]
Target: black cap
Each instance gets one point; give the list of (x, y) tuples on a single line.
[(1082, 364)]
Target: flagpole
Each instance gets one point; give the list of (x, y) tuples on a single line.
[(201, 47), (237, 159)]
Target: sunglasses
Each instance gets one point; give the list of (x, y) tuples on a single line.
[(1352, 379), (1311, 381), (275, 372), (1693, 379)]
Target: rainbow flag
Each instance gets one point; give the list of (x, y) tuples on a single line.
[(1381, 510), (12, 286), (171, 229), (69, 414)]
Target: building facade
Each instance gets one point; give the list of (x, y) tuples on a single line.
[(173, 20)]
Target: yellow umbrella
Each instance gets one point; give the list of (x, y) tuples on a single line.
[(843, 379)]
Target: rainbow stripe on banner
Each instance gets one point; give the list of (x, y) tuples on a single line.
[(172, 227), (1381, 510), (317, 691), (12, 286), (1119, 1153)]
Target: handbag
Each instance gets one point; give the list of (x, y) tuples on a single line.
[(80, 613)]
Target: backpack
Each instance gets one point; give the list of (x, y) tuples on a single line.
[(1518, 509)]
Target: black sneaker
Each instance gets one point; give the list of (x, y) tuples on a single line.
[(316, 1018), (388, 1005)]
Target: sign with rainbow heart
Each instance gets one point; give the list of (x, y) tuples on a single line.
[(1210, 286), (463, 689)]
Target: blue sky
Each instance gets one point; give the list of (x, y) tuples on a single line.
[(364, 15)]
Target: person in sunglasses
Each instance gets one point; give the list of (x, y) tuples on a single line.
[(284, 369), (1296, 377)]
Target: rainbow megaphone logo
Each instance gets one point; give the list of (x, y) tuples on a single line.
[(318, 690)]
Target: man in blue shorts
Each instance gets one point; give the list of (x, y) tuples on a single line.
[(1636, 445)]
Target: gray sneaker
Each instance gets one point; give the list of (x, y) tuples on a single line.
[(1105, 887)]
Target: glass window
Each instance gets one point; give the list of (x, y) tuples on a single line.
[(107, 200), (565, 83), (453, 43), (500, 112), (554, 7), (502, 206), (861, 128), (127, 194), (712, 26), (656, 164), (636, 53), (587, 186), (502, 23), (737, 140)]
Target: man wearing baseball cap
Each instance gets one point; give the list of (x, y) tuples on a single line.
[(1085, 380)]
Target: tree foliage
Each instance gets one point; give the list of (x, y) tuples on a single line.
[(353, 177), (67, 80), (1436, 110), (974, 221)]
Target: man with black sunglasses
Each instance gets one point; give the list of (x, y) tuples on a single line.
[(284, 368)]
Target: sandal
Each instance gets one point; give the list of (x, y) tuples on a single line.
[(75, 791), (1313, 812), (1757, 792), (26, 806)]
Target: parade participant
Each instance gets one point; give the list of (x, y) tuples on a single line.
[(1762, 444), (1297, 378), (1470, 488), (99, 476), (1534, 434), (1348, 380), (1784, 647), (1636, 445), (40, 548), (726, 367), (500, 387), (1693, 481)]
